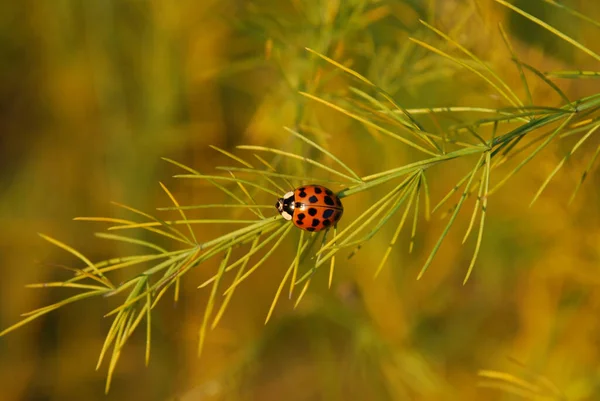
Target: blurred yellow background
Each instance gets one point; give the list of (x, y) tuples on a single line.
[(93, 93)]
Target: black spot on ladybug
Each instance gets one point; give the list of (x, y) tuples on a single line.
[(326, 223), (315, 222), (318, 190), (298, 204), (328, 201), (314, 199), (299, 222), (302, 194), (327, 213), (312, 211), (311, 229), (301, 216), (328, 192), (302, 189)]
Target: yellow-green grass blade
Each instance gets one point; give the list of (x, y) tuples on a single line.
[(530, 390), (296, 262), (484, 202), (138, 319), (161, 287), (332, 263), (192, 221), (532, 154), (463, 109), (324, 151), (197, 259), (349, 232), (81, 274), (233, 179), (211, 181), (504, 143), (298, 157), (427, 196), (573, 12), (273, 170), (583, 128), (248, 166), (253, 250), (115, 355), (174, 230), (279, 290), (573, 74), (422, 164), (63, 284), (211, 301), (232, 156), (562, 162), (468, 67), (364, 80), (368, 123), (120, 263), (177, 288), (216, 206), (79, 256), (341, 67), (118, 322), (117, 328), (279, 175), (366, 217), (240, 271), (148, 324), (475, 207), (42, 311), (130, 240), (248, 195), (286, 231), (551, 84), (303, 292), (181, 212), (507, 93), (256, 227), (393, 240), (551, 29), (585, 173), (477, 136), (407, 125), (517, 62), (508, 118), (134, 296), (392, 207), (455, 188), (383, 177), (436, 247), (417, 197), (126, 222), (309, 244)]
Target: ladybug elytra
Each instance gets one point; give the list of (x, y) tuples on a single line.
[(311, 207)]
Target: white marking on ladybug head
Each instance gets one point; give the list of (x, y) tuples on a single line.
[(286, 215), (288, 195)]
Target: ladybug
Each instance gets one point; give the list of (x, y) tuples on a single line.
[(311, 207)]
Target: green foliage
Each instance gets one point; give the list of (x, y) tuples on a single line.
[(519, 129)]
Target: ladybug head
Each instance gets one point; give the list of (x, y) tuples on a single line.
[(285, 205)]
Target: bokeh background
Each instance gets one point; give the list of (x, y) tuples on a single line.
[(93, 93)]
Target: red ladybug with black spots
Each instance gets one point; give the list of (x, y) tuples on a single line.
[(311, 207)]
